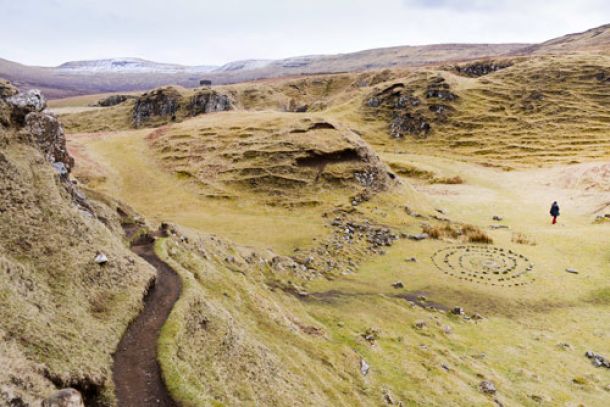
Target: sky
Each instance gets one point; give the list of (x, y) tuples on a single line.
[(202, 32)]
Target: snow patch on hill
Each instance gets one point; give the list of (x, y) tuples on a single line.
[(129, 65)]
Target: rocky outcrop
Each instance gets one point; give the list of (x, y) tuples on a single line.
[(481, 68), (26, 113), (167, 104), (48, 134), (411, 111), (158, 104), (113, 100), (207, 101), (25, 103)]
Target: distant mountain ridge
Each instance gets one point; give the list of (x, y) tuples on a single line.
[(132, 74), (129, 65)]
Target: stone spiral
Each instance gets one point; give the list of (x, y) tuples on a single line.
[(487, 265)]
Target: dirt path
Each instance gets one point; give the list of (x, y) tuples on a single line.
[(136, 372)]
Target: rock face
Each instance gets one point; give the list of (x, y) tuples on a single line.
[(208, 101), (481, 68), (64, 398), (48, 133), (165, 104), (25, 112), (159, 103), (411, 110)]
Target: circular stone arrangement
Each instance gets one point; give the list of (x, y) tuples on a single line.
[(485, 265)]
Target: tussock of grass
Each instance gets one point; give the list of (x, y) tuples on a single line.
[(447, 180), (521, 238), (468, 233)]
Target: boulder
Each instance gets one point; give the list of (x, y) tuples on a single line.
[(364, 367), (48, 134), (457, 311), (487, 387), (113, 100), (419, 236), (64, 398), (25, 103), (100, 258)]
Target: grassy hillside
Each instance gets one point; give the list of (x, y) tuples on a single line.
[(61, 314), (299, 272)]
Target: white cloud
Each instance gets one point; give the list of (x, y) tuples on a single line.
[(49, 32)]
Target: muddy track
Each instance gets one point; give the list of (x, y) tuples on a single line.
[(136, 372)]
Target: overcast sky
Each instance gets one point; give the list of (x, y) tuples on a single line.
[(201, 32)]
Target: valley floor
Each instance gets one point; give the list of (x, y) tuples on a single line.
[(532, 340)]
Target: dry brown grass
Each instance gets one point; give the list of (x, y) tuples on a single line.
[(448, 180), (468, 233), (521, 238)]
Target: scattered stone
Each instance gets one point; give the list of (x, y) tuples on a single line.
[(445, 367), (230, 259), (388, 397), (441, 211), (100, 258), (398, 284), (565, 346), (447, 330), (411, 260), (598, 360), (422, 298), (477, 317), (364, 367), (572, 271), (64, 398), (457, 311), (487, 387), (420, 324), (371, 335), (419, 236), (497, 218), (498, 227)]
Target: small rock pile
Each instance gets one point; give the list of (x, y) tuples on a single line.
[(598, 360)]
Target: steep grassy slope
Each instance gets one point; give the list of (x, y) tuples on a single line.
[(61, 314), (537, 112)]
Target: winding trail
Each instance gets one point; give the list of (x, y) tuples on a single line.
[(136, 372)]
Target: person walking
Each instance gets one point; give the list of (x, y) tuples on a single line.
[(555, 211)]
